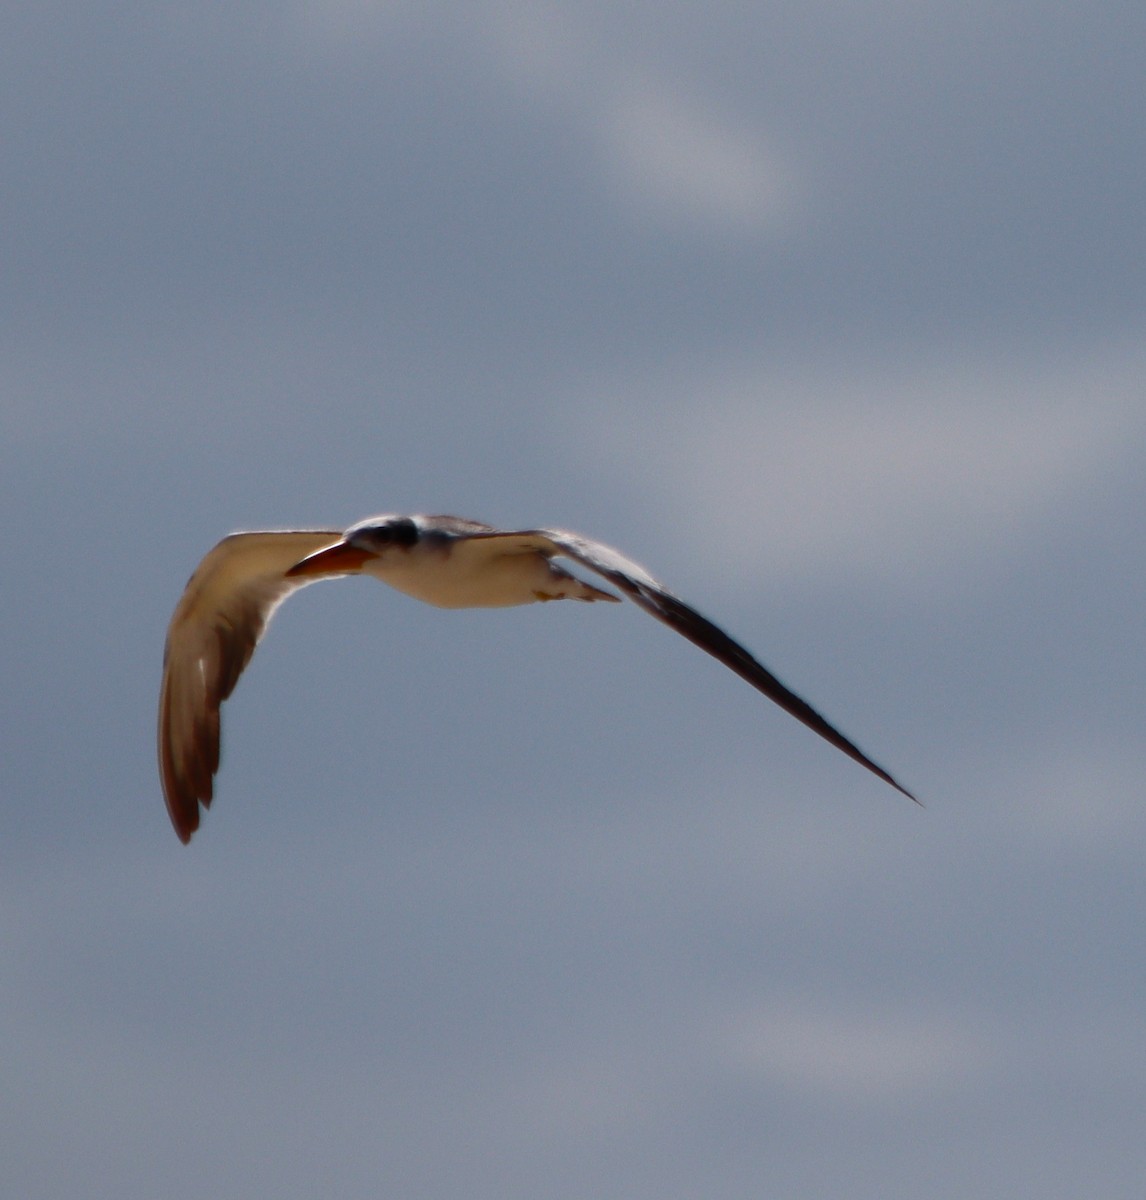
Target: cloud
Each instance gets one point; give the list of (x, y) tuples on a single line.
[(683, 163), (668, 154), (1076, 797), (857, 1057), (661, 147), (910, 470)]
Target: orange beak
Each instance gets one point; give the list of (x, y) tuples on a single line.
[(340, 559)]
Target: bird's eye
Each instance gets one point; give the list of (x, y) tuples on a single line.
[(403, 532)]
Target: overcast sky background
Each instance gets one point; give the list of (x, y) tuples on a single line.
[(831, 315)]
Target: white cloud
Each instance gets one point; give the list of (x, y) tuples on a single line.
[(1075, 796), (910, 470), (661, 147), (683, 163), (855, 1057), (665, 151)]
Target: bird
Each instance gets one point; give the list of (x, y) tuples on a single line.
[(445, 561)]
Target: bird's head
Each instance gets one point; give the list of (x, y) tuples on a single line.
[(360, 545)]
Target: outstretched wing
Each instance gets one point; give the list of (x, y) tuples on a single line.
[(632, 579), (213, 633)]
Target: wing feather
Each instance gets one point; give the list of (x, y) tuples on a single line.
[(636, 582), (213, 632)]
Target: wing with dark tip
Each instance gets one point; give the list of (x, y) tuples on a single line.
[(632, 579), (213, 633)]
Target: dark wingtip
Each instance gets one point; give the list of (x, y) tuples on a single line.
[(910, 795), (863, 760), (184, 814)]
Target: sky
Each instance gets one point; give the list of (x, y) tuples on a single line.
[(832, 316)]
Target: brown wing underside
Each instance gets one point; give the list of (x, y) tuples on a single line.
[(214, 631)]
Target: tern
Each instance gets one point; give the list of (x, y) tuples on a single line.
[(449, 562)]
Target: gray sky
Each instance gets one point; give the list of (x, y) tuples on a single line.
[(832, 316)]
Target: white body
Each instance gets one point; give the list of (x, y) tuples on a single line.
[(481, 574)]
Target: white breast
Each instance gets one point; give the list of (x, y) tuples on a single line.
[(446, 579)]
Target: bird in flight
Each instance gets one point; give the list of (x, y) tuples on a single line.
[(449, 562)]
